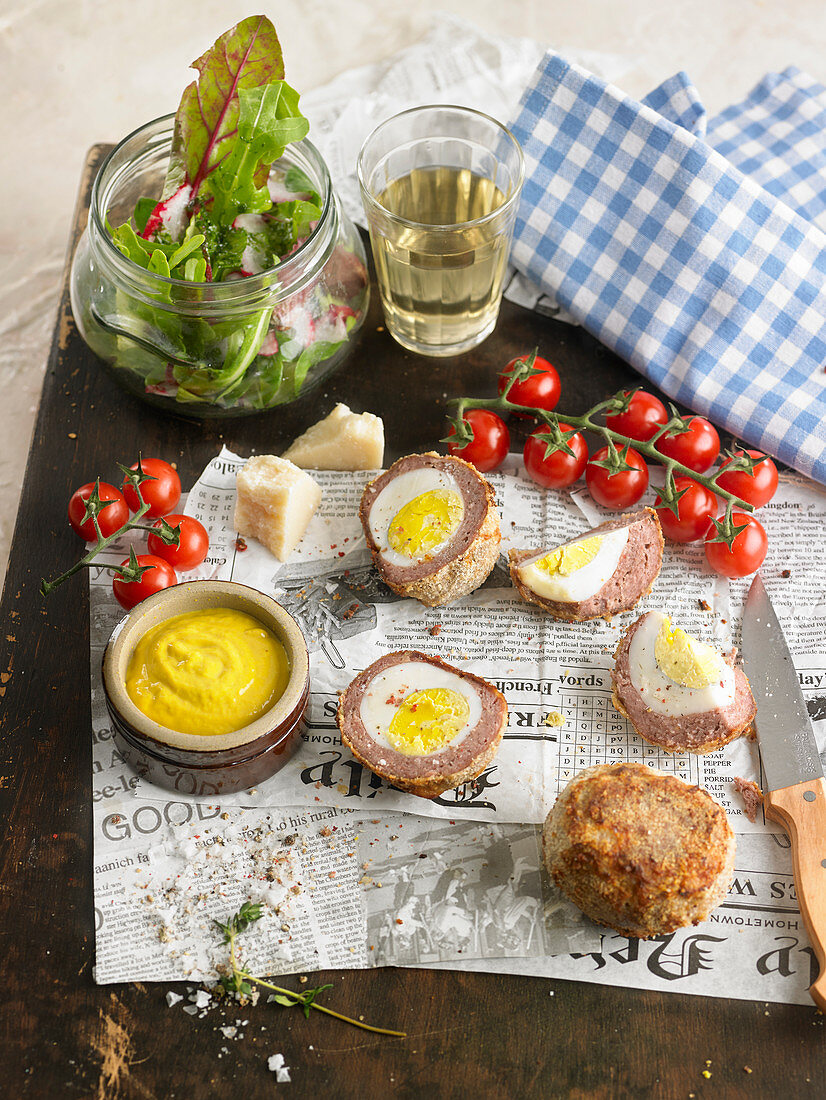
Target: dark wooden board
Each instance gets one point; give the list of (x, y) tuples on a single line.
[(480, 1035)]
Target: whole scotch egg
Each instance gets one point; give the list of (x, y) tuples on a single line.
[(676, 691), (420, 723), (432, 527), (602, 572), (639, 850)]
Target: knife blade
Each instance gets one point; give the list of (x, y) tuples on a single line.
[(794, 775)]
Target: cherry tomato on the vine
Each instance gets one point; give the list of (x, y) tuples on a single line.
[(747, 551), (620, 489), (130, 593), (697, 508), (756, 486), (644, 416), (559, 469), (161, 494), (193, 543), (539, 391), (491, 440), (697, 448), (110, 518)]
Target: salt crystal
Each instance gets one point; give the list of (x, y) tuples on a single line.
[(202, 998), (190, 1009), (229, 1032), (173, 998), (275, 1063)]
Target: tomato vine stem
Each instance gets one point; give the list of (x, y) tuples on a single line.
[(132, 571), (588, 421)]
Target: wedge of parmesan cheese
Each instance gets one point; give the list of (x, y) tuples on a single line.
[(275, 503), (344, 440)]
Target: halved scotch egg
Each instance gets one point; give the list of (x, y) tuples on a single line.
[(420, 723), (676, 691), (595, 575), (432, 527)]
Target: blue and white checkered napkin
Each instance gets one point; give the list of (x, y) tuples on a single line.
[(696, 252)]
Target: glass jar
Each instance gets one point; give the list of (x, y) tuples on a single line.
[(225, 348)]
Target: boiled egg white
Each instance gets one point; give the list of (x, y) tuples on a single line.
[(576, 570), (416, 515), (418, 709), (675, 673)]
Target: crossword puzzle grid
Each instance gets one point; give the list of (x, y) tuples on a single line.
[(595, 734)]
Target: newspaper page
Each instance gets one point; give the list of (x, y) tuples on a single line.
[(407, 901)]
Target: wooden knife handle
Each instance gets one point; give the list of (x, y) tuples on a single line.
[(801, 810)]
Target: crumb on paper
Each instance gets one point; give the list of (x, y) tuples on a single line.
[(751, 794), (704, 605), (553, 718), (184, 872)]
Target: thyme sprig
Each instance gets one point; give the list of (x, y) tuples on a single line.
[(240, 981), (556, 439), (94, 506)]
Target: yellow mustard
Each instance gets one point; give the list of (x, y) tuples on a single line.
[(207, 672)]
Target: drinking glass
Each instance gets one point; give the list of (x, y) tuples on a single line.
[(440, 187)]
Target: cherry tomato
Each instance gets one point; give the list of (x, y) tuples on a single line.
[(617, 490), (161, 575), (162, 494), (697, 508), (491, 440), (697, 448), (540, 391), (110, 518), (559, 469), (644, 416), (193, 543), (756, 486), (747, 551)]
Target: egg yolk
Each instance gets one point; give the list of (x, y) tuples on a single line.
[(425, 522), (207, 672), (427, 721), (685, 660), (570, 559)]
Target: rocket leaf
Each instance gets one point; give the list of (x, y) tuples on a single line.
[(268, 120)]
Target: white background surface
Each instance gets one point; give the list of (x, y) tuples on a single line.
[(73, 73)]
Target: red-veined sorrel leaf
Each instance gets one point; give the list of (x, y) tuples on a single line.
[(247, 56)]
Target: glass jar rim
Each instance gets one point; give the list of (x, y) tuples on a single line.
[(513, 198), (248, 285)]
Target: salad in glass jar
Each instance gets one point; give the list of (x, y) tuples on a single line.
[(243, 283)]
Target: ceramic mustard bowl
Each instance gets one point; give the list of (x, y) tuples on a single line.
[(221, 763)]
